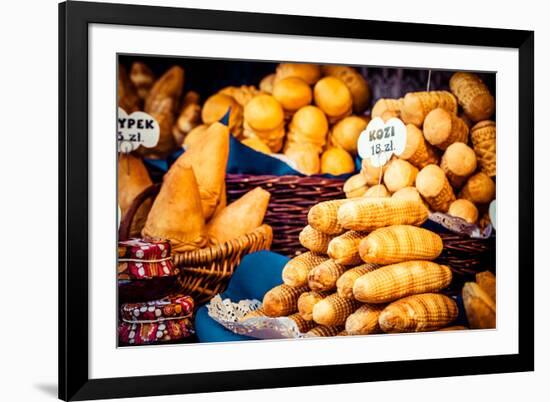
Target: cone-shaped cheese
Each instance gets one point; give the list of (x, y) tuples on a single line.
[(169, 85), (264, 113), (407, 193), (240, 217), (189, 117), (487, 281), (133, 178), (310, 73), (393, 282), (356, 186), (305, 157), (398, 243), (364, 320), (480, 189), (208, 157), (307, 300), (399, 174), (388, 107), (417, 150), (282, 300), (242, 94), (194, 135), (223, 201), (324, 331), (356, 83), (162, 103), (292, 93), (443, 128), (473, 95), (434, 186), (217, 106), (142, 78), (336, 161), (176, 214), (458, 163), (346, 132), (314, 240), (164, 115), (483, 138), (309, 125), (333, 310), (264, 118), (479, 306), (333, 97), (344, 249), (464, 209), (266, 84), (421, 312), (127, 96), (372, 174), (417, 105), (377, 191), (256, 144)]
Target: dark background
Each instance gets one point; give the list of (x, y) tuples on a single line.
[(207, 76)]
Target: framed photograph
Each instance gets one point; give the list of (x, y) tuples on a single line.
[(258, 200)]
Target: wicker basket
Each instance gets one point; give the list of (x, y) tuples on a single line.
[(291, 199), (205, 272), (293, 196), (467, 256)]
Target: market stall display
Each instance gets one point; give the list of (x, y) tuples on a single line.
[(398, 271), (273, 163)]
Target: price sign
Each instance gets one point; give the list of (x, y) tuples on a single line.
[(493, 213), (135, 130), (380, 140)]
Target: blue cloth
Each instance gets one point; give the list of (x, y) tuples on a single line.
[(242, 159), (163, 164), (257, 273), (245, 160)]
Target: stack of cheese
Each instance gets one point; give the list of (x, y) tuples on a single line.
[(480, 301), (449, 160), (159, 98), (190, 209), (318, 103), (304, 111), (368, 269)]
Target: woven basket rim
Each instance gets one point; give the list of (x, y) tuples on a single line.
[(216, 252), (313, 179), (210, 253)]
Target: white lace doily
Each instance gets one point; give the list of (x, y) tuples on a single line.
[(460, 226), (229, 314)]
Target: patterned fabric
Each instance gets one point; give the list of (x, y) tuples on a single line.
[(157, 332), (138, 290), (144, 259), (171, 307)]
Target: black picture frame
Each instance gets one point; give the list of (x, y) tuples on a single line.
[(74, 19)]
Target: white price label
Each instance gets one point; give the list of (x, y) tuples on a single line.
[(135, 130), (380, 140), (493, 213)]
